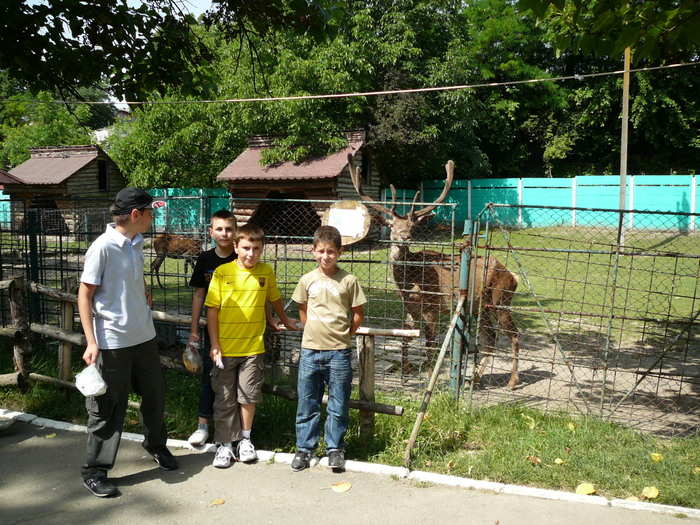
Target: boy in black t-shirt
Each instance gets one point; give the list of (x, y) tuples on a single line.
[(222, 231)]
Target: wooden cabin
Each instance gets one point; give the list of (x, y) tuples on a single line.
[(71, 186), (286, 187)]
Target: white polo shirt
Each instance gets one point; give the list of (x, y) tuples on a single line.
[(122, 316)]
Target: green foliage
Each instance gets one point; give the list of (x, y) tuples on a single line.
[(40, 122), (137, 49), (653, 30)]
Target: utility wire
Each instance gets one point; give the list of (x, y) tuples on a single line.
[(365, 93)]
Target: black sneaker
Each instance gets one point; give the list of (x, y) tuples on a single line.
[(165, 459), (100, 487), (336, 459), (300, 461)]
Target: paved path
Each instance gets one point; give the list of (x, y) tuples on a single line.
[(40, 484)]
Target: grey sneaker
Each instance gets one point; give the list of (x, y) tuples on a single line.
[(336, 459), (301, 460), (100, 487)]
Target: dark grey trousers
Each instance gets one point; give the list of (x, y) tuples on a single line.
[(136, 367)]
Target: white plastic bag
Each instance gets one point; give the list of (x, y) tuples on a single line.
[(192, 359), (90, 382)]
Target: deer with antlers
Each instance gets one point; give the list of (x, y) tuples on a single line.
[(175, 247), (427, 283)]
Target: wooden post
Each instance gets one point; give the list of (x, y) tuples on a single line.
[(365, 351), (20, 320), (67, 323)]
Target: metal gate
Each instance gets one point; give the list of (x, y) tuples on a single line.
[(607, 308)]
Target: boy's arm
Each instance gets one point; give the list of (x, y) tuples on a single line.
[(289, 322), (302, 313), (213, 329), (85, 295), (358, 315), (198, 297)]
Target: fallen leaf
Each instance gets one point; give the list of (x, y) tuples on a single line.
[(656, 457), (49, 436), (568, 449), (585, 488), (559, 461), (650, 492), (218, 502), (696, 471), (572, 427), (632, 498), (534, 459), (451, 465), (530, 422), (341, 486)]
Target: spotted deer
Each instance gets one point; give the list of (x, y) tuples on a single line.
[(176, 247), (427, 281)]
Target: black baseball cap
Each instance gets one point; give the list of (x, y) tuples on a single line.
[(134, 199)]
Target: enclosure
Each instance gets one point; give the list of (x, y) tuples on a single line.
[(605, 304)]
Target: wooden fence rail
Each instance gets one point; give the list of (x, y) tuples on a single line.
[(21, 330)]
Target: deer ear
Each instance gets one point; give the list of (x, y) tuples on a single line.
[(424, 218), (380, 219)]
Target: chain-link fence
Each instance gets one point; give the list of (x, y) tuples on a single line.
[(607, 308)]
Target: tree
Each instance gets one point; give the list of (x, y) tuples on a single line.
[(62, 45), (654, 29), (40, 123)]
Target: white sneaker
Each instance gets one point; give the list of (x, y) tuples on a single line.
[(246, 451), (224, 456), (198, 437)]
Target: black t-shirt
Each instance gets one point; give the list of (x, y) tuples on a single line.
[(207, 262)]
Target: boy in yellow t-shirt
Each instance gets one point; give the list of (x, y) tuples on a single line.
[(236, 325)]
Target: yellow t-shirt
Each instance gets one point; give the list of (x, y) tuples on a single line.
[(240, 296)]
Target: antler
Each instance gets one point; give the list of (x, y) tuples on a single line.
[(450, 169), (355, 175)]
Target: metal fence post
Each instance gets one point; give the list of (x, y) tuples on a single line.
[(365, 351)]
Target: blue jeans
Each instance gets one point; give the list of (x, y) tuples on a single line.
[(316, 369)]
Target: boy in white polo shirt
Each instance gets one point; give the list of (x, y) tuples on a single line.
[(115, 312)]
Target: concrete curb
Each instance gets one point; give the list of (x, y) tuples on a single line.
[(397, 472)]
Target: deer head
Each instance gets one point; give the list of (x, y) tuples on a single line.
[(401, 226)]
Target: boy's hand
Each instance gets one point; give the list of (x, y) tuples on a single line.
[(90, 354), (194, 339), (215, 355), (293, 324), (274, 323)]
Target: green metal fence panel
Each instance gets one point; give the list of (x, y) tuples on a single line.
[(188, 209), (663, 192), (4, 211)]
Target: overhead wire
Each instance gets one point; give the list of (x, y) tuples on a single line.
[(362, 93)]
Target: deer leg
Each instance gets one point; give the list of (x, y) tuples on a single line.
[(505, 321), (430, 323), (155, 267), (409, 323), (488, 337)]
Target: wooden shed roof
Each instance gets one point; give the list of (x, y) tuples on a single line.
[(6, 178), (54, 165), (247, 166)]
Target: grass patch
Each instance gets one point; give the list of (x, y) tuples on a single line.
[(497, 443)]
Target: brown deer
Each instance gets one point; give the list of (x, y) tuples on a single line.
[(175, 247), (426, 280)]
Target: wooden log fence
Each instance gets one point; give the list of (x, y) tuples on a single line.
[(21, 330)]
